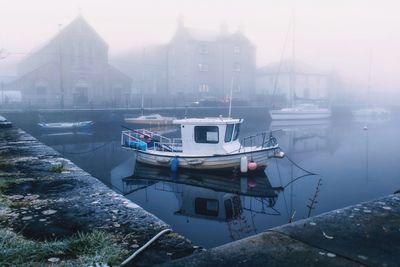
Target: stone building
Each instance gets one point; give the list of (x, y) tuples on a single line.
[(147, 66), (72, 70), (207, 64), (274, 83), (195, 64)]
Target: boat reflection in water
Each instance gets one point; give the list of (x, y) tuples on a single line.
[(305, 135), (208, 196)]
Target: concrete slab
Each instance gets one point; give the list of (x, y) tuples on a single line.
[(44, 196), (366, 234), (267, 249)]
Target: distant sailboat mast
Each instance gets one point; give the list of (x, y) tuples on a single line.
[(369, 80), (142, 105), (292, 78)]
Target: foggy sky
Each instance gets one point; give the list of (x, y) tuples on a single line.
[(334, 35)]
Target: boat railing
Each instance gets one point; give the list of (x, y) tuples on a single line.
[(259, 140), (141, 138), (174, 146)]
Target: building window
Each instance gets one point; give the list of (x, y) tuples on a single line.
[(237, 67), (203, 49), (236, 50), (203, 88), (206, 134), (203, 67)]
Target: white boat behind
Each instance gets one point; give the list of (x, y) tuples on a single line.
[(301, 112), (205, 144), (375, 112), (153, 119), (65, 125), (4, 123)]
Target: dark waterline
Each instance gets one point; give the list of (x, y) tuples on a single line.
[(352, 165)]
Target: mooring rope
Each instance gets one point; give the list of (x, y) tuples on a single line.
[(301, 168), (145, 246)]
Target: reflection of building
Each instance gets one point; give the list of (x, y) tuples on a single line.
[(72, 70), (276, 80)]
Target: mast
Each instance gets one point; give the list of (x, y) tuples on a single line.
[(142, 105), (230, 99), (60, 69), (369, 80), (293, 71)]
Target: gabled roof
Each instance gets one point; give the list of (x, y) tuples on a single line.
[(202, 35), (210, 35), (79, 21)]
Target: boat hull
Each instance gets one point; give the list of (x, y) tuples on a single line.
[(215, 162), (371, 112), (149, 122), (299, 115), (63, 126)]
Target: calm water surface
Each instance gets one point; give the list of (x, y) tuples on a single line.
[(351, 165)]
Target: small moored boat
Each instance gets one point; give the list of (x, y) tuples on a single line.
[(65, 125), (301, 112), (4, 123), (205, 144), (153, 119)]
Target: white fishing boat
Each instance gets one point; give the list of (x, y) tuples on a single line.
[(205, 144), (301, 112), (65, 125), (153, 119)]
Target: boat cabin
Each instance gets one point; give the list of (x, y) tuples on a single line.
[(208, 136)]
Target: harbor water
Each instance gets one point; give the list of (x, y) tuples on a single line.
[(330, 164)]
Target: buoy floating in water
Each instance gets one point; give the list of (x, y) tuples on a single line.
[(251, 183), (252, 166)]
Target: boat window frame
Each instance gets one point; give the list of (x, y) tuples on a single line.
[(204, 206), (205, 141), (236, 132), (231, 131)]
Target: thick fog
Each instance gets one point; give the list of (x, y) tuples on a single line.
[(342, 36)]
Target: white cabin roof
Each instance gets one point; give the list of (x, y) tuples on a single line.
[(207, 121)]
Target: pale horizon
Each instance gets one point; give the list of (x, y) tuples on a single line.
[(340, 36)]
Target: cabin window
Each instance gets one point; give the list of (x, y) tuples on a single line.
[(206, 134), (229, 132), (236, 132), (205, 206)]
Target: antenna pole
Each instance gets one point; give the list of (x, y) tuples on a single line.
[(60, 66), (142, 105), (369, 79), (230, 99)]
